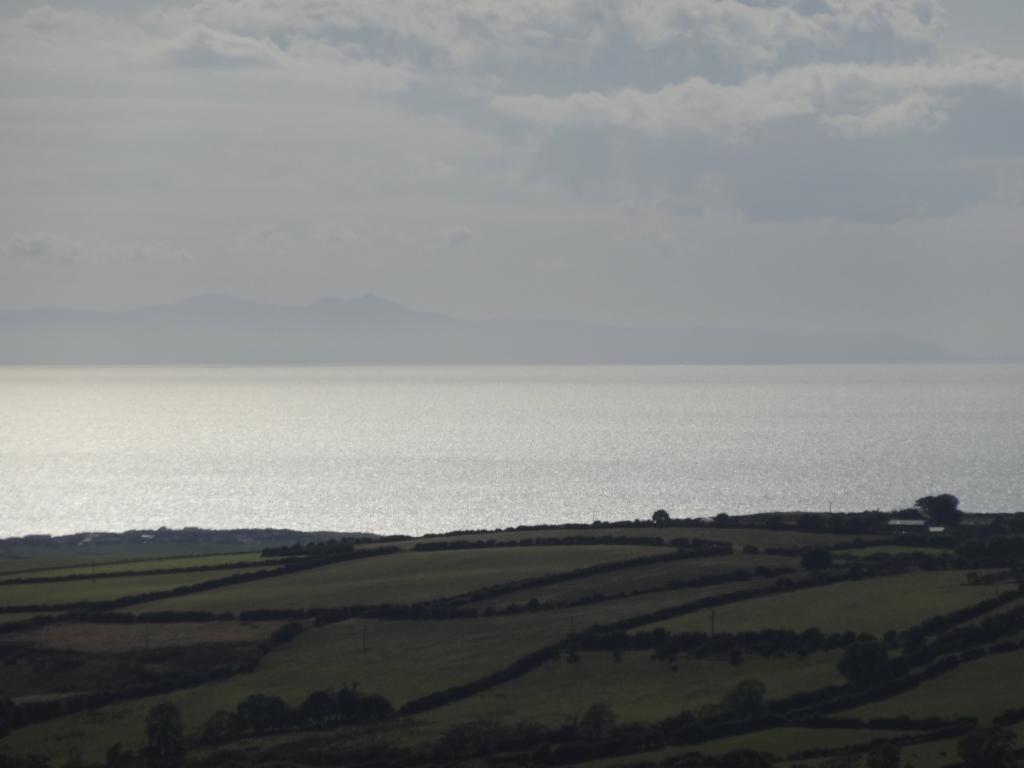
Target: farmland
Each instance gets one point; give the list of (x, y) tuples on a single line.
[(690, 640)]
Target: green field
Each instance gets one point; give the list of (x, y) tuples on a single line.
[(98, 638), (777, 741), (410, 654), (403, 578), (870, 605), (982, 688), (642, 578), (637, 688), (892, 549), (61, 592), (403, 660), (158, 564)]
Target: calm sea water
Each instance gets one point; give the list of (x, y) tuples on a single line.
[(428, 449)]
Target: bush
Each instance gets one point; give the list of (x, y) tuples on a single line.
[(816, 560)]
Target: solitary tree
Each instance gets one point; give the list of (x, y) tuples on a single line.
[(661, 517), (165, 737), (944, 508)]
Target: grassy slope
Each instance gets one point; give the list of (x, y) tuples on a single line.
[(145, 565), (403, 660), (403, 578), (892, 549), (56, 593), (106, 638), (777, 741), (872, 605), (637, 688), (641, 578), (982, 688)]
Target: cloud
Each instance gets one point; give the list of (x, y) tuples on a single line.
[(203, 47), (475, 34), (857, 100)]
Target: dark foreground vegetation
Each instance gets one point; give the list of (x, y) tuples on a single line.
[(879, 639)]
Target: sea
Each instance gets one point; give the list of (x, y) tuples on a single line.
[(422, 449)]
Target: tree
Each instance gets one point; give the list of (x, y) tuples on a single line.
[(884, 756), (746, 699), (816, 559), (259, 712), (987, 748), (944, 508), (318, 708), (596, 722), (217, 728), (865, 662), (661, 517), (165, 737)]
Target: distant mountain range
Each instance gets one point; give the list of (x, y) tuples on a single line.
[(216, 329)]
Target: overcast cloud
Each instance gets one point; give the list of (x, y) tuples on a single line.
[(801, 165)]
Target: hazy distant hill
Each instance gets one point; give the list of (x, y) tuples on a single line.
[(222, 329)]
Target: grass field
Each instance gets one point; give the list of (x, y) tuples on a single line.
[(777, 741), (403, 578), (644, 577), (157, 564), (407, 659), (60, 592), (870, 605), (637, 688), (57, 593), (982, 688), (891, 549), (17, 557), (105, 638), (402, 660)]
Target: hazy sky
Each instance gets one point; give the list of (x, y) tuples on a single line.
[(833, 165)]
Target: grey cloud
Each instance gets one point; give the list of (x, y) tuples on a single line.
[(854, 99), (205, 47)]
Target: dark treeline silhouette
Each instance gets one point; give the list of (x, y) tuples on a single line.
[(260, 714)]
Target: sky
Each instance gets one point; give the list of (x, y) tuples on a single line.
[(834, 166)]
